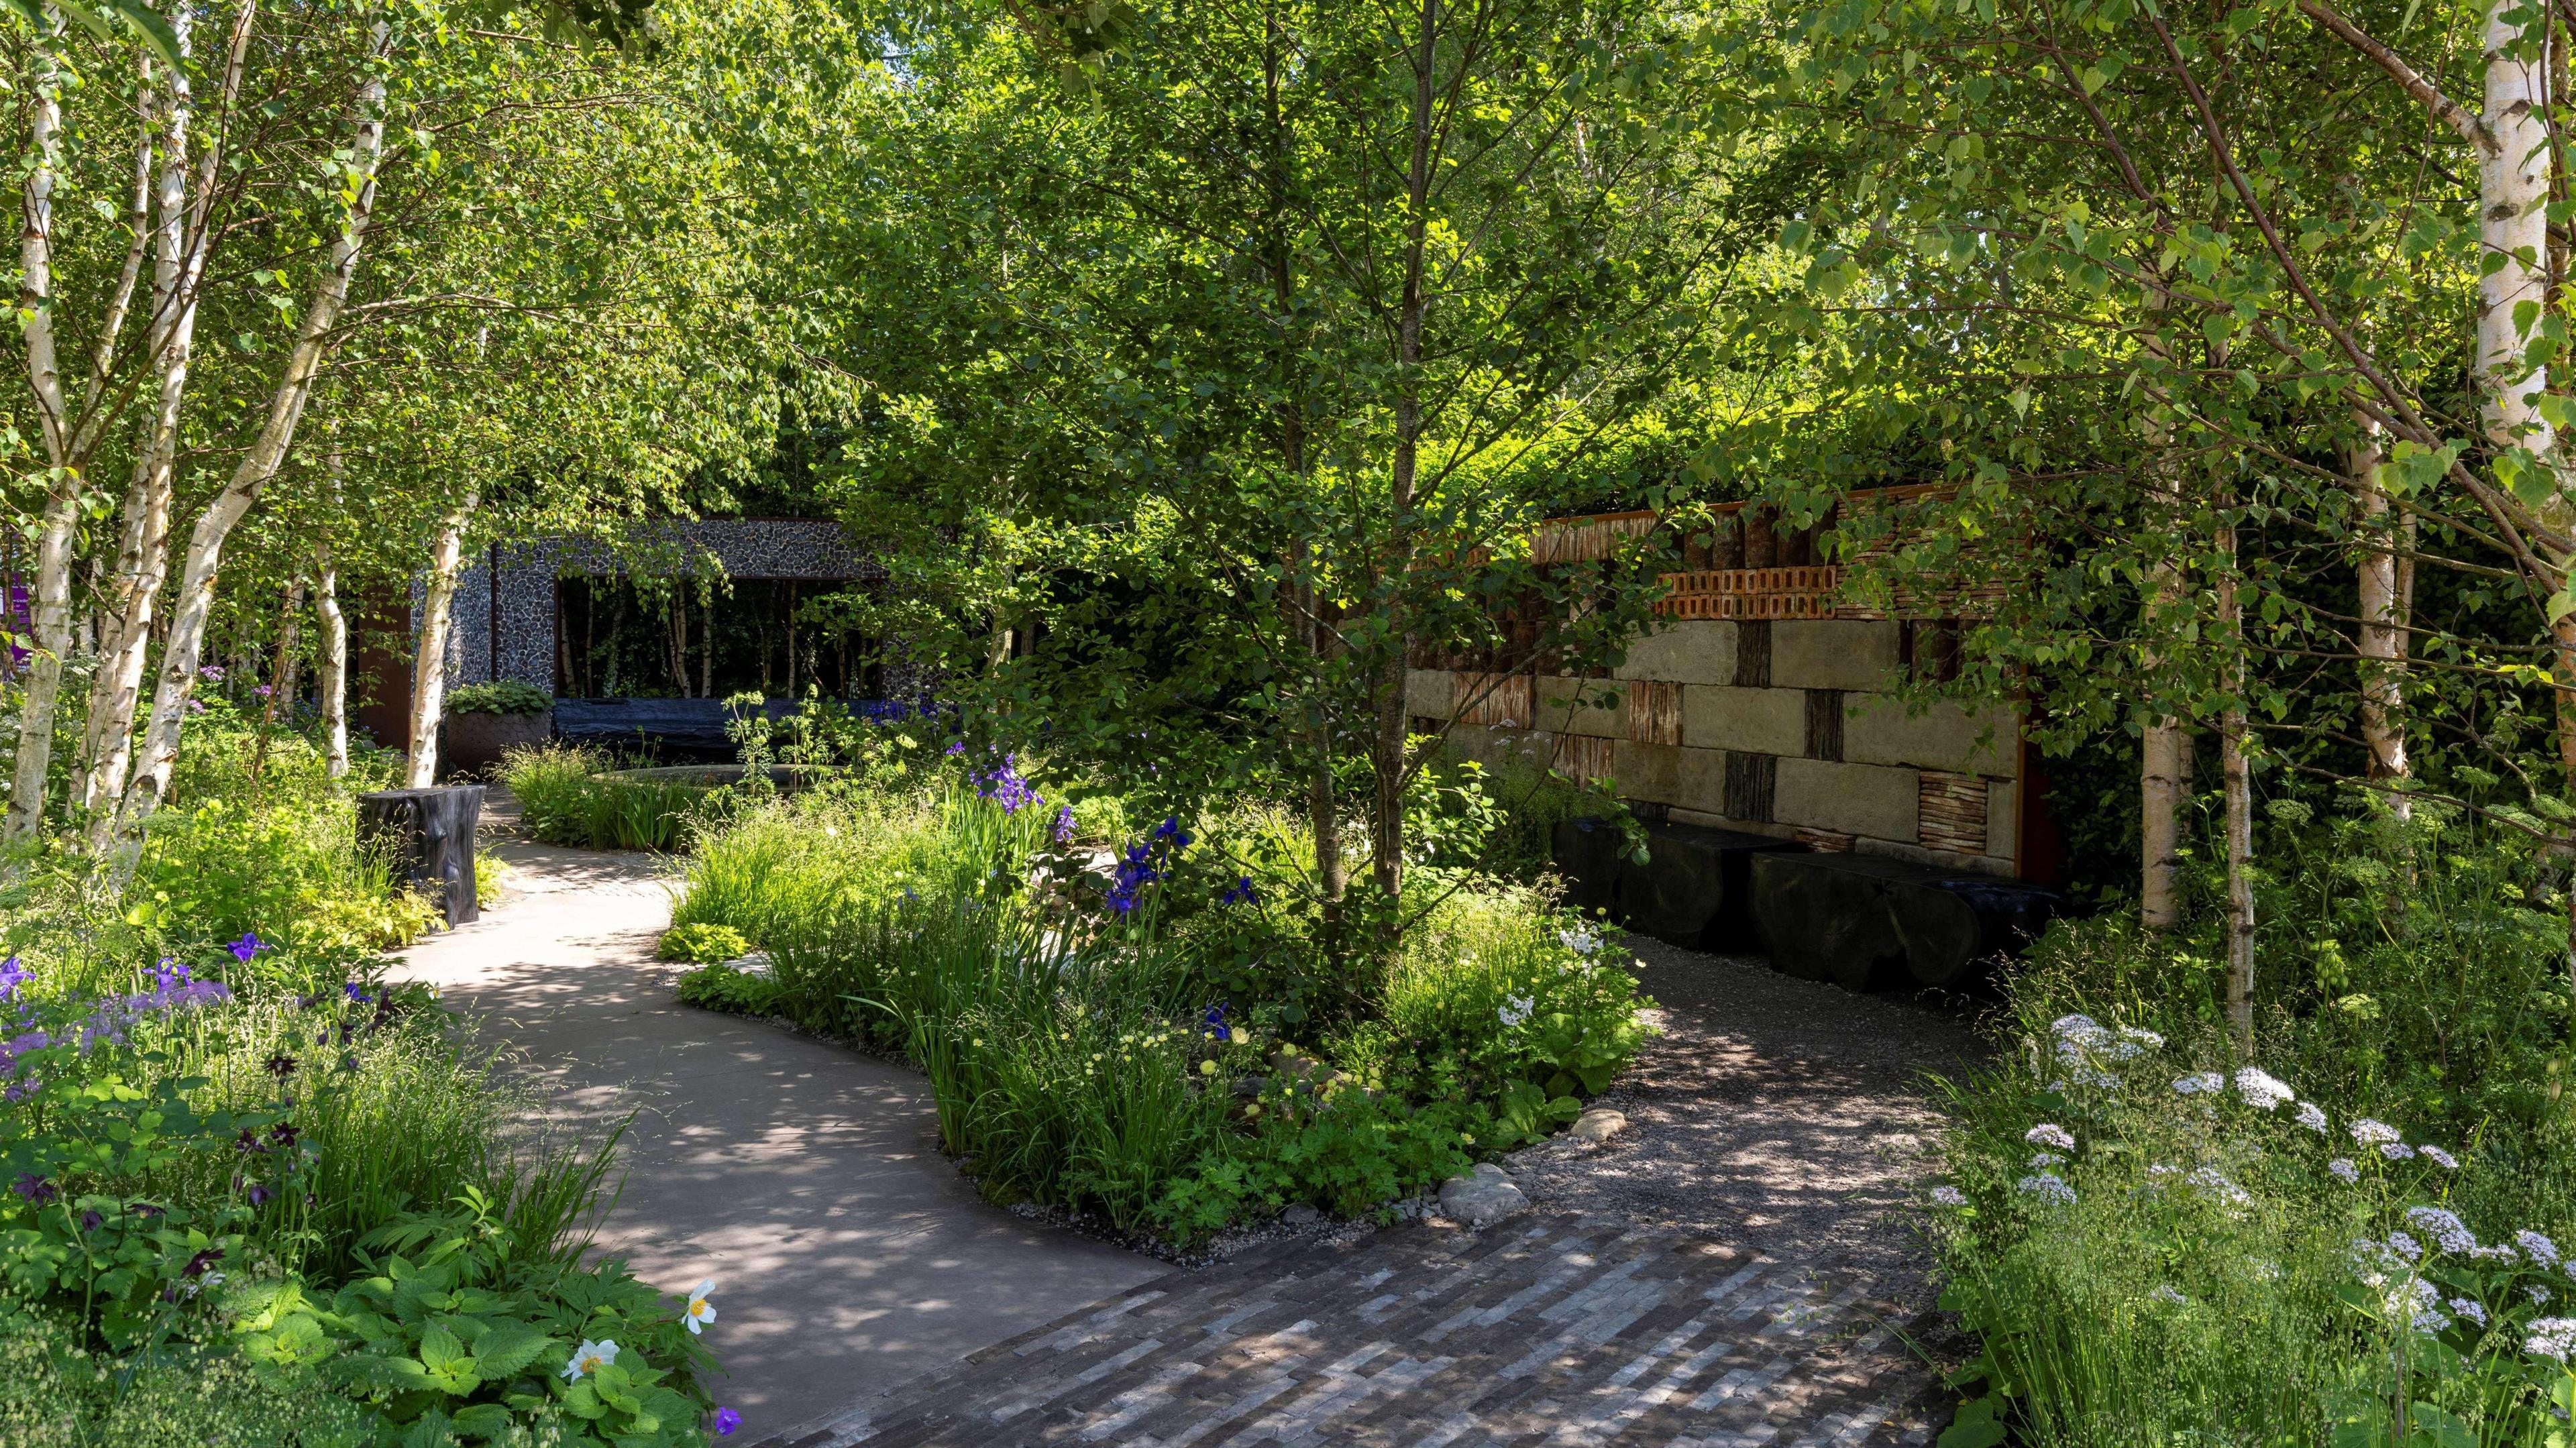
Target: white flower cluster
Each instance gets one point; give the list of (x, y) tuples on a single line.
[(2444, 1227), (2370, 1132), (2049, 1133), (2166, 1292), (2262, 1090), (1516, 1009), (2048, 1186), (2084, 1043), (2210, 1183), (2537, 1247), (2199, 1083), (1581, 942), (1947, 1196), (2551, 1337), (2438, 1157), (2311, 1117), (2344, 1170)]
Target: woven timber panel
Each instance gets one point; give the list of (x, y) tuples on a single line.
[(1951, 812), (1654, 711)]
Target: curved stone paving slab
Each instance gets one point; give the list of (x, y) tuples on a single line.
[(1558, 1330)]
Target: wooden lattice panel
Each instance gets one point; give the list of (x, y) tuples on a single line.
[(1582, 758), (1747, 606), (1654, 711), (1502, 701), (1951, 812)]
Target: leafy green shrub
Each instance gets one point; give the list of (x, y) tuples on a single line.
[(1345, 1150), (723, 988), (500, 696), (448, 1329), (54, 1394), (702, 943)]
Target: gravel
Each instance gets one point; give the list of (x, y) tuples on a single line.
[(1784, 1115)]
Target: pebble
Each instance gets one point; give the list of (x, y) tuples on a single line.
[(1300, 1215)]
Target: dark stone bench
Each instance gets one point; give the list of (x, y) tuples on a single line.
[(1694, 889), (1863, 921)]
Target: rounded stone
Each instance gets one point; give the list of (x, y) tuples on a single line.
[(1482, 1199), (1598, 1125)]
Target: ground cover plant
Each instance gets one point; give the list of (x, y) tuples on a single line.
[(578, 797), (1143, 1038), (255, 1195), (2351, 1237)]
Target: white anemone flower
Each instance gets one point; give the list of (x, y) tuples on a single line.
[(589, 1358), (699, 1312)]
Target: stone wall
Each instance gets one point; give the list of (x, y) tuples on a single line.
[(1783, 727)]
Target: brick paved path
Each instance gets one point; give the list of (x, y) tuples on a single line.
[(1564, 1330)]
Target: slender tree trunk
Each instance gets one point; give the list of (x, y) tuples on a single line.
[(1389, 754), (266, 455), (2164, 754), (707, 653), (181, 238), (281, 674), (2385, 578), (429, 667), (331, 681), (61, 517), (2239, 783)]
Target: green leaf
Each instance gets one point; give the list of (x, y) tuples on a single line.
[(1976, 1426), (508, 1346)]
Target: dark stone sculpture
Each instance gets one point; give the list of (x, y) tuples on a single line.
[(430, 833)]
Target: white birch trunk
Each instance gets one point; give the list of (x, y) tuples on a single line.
[(2164, 755), (331, 676), (429, 667), (43, 680), (196, 595), (2238, 777), (2384, 580)]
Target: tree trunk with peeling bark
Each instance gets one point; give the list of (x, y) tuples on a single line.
[(61, 517), (429, 666), (331, 672), (2386, 579), (2237, 773), (2164, 746), (196, 595)]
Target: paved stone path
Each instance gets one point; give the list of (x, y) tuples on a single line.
[(849, 1256), (1559, 1330)]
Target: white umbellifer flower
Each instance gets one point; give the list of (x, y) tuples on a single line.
[(1581, 942), (2371, 1133), (2405, 1246), (2080, 1029), (2046, 1159), (2438, 1157), (2550, 1337), (2444, 1227), (2199, 1083), (2395, 1150), (2419, 1304), (699, 1312), (2495, 1252), (2209, 1183), (2140, 1036), (2540, 1248), (2470, 1308), (1516, 1009), (2262, 1090), (2344, 1170), (2312, 1118), (2048, 1186), (1949, 1197), (2538, 1294), (589, 1358), (2166, 1293), (2049, 1133)]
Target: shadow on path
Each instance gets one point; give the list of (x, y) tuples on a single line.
[(848, 1255)]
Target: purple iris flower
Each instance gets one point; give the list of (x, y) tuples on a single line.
[(726, 1421), (1064, 825), (354, 992), (1239, 893), (953, 750), (246, 947), (1213, 1023), (12, 976)]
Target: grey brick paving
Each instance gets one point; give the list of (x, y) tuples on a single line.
[(1550, 1331)]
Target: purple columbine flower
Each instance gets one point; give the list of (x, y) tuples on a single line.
[(34, 1188), (955, 749), (203, 1262), (726, 1421), (89, 1219), (259, 1195), (1239, 893), (246, 947), (283, 1133), (280, 1066)]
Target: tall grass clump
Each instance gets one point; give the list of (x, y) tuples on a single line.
[(570, 796)]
